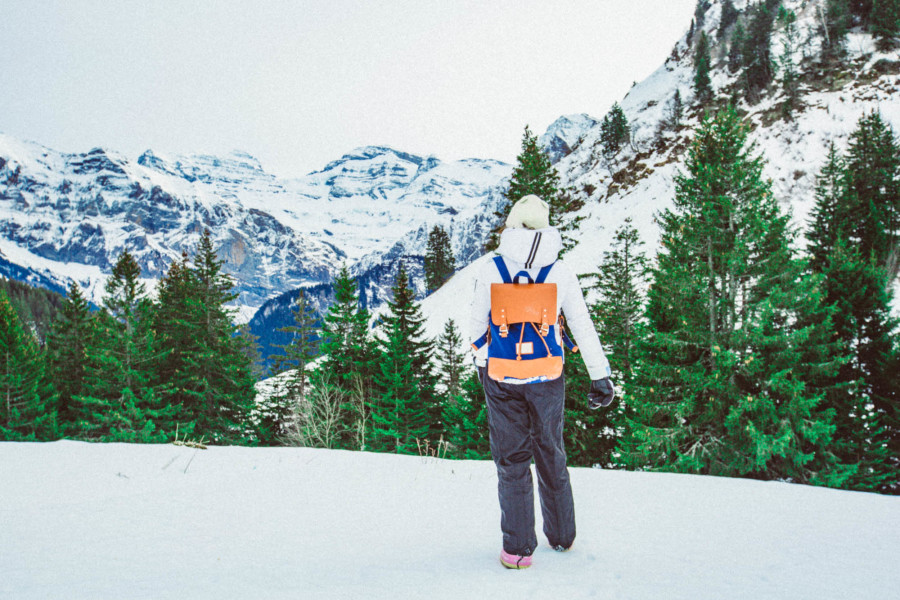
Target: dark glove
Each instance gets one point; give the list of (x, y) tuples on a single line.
[(602, 393)]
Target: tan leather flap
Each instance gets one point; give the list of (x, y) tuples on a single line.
[(523, 303), (550, 367)]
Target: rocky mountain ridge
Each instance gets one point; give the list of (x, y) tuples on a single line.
[(66, 217)]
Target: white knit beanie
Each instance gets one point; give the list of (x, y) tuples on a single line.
[(530, 213)]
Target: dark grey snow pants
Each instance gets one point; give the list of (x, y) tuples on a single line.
[(526, 421)]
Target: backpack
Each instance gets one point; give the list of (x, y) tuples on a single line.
[(522, 338)]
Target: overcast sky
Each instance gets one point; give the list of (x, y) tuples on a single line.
[(299, 83)]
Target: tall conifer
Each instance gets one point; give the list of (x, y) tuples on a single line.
[(406, 414), (71, 334), (24, 413), (735, 339)]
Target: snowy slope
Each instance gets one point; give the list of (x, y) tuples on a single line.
[(159, 522), (639, 182)]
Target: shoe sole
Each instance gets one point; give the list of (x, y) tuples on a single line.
[(515, 566)]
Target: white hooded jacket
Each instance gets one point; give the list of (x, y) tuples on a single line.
[(530, 250)]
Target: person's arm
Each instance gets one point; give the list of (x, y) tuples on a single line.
[(579, 321), (479, 317)]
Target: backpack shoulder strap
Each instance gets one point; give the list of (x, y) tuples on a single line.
[(504, 272), (542, 274)]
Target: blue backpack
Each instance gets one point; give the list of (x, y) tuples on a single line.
[(522, 338)]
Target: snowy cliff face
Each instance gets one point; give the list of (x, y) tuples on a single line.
[(639, 181), (566, 133), (66, 217)]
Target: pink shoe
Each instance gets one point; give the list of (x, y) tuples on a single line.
[(514, 561)]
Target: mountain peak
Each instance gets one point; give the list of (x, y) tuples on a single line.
[(565, 133)]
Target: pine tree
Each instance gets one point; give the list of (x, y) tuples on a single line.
[(735, 337), (729, 17), (450, 359), (465, 421), (614, 130), (674, 112), (25, 414), (827, 215), (463, 408), (221, 395), (67, 342), (702, 66), (736, 48), (292, 366), (833, 25), (406, 413), (533, 174), (121, 400), (592, 436), (885, 24), (349, 358), (787, 65), (620, 281), (439, 262), (853, 245), (756, 52), (177, 321), (345, 346), (873, 164)]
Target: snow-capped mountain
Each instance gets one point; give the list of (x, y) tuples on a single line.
[(639, 181), (566, 133), (68, 216)]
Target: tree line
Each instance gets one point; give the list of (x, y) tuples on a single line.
[(736, 354), (743, 357)]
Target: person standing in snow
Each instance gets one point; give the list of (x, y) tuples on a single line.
[(525, 408)]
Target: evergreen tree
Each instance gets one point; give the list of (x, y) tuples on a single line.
[(292, 365), (621, 277), (729, 17), (614, 130), (406, 414), (873, 205), (853, 245), (24, 413), (593, 435), (121, 400), (37, 307), (675, 111), (71, 334), (533, 174), (702, 66), (735, 338), (885, 24), (756, 52), (450, 359), (349, 358), (439, 262), (833, 26), (787, 65), (736, 48), (177, 321), (221, 395), (463, 407), (464, 416)]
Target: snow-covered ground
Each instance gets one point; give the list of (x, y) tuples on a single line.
[(158, 521)]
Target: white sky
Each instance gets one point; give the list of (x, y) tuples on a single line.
[(299, 83)]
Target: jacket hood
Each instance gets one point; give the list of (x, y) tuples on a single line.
[(532, 248)]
